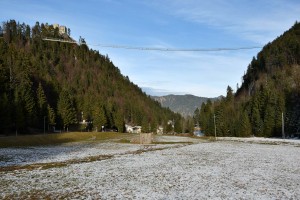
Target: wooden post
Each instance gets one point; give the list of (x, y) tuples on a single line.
[(215, 127), (282, 131)]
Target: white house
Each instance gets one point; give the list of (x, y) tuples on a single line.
[(133, 129), (160, 130), (128, 128), (137, 129)]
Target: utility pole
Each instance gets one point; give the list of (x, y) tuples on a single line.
[(282, 131), (215, 127)]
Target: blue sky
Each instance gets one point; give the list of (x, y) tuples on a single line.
[(168, 24)]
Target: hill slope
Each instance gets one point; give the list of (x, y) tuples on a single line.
[(48, 84), (183, 104), (269, 95)]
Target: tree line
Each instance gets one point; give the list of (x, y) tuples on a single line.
[(270, 91)]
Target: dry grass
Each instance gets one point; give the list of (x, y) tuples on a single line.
[(59, 138)]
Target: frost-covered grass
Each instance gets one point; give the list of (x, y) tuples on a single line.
[(202, 170), (259, 140)]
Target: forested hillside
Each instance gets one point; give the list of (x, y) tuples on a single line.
[(61, 84), (270, 89)]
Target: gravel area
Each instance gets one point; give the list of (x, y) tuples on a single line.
[(210, 170)]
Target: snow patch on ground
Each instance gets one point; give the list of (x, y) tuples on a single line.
[(211, 170), (178, 139), (260, 140), (60, 153)]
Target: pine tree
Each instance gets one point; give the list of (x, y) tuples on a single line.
[(51, 116), (229, 96), (221, 120), (257, 123), (42, 104), (99, 118), (5, 113), (244, 126), (119, 122), (279, 110), (196, 116), (269, 121), (30, 106), (66, 109), (145, 125), (205, 118), (19, 119)]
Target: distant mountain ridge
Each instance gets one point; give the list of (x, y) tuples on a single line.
[(182, 104)]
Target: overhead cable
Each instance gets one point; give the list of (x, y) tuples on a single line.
[(154, 48), (174, 49)]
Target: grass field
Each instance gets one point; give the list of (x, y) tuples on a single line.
[(116, 169), (59, 138)]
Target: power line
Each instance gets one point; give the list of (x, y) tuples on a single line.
[(155, 48), (174, 49)]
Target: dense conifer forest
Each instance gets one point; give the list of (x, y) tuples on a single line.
[(268, 97), (58, 85)]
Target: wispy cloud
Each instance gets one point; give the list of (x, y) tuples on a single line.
[(257, 21)]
